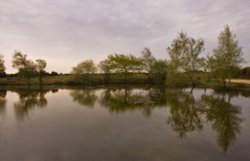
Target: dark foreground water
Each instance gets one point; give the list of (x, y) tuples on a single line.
[(124, 125)]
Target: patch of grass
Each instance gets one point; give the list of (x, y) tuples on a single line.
[(92, 79)]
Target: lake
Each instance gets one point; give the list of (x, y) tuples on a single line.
[(124, 124)]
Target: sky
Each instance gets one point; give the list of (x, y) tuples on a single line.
[(66, 32)]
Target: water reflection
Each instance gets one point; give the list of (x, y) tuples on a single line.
[(85, 97), (28, 100), (225, 118), (2, 102), (187, 112), (128, 100)]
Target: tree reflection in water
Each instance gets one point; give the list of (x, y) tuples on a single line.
[(125, 100), (2, 102), (225, 118), (187, 113), (2, 105), (85, 97), (29, 99)]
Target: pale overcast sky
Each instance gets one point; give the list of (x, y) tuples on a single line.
[(65, 32)]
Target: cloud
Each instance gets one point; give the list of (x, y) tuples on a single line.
[(71, 30)]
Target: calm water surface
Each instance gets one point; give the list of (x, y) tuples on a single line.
[(124, 125)]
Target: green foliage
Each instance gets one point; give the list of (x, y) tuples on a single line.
[(105, 67), (125, 64), (245, 72), (184, 55), (186, 67), (148, 59), (2, 66), (41, 65), (26, 67), (85, 67), (174, 78), (159, 71), (53, 73), (226, 58)]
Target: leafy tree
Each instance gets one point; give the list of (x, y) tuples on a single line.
[(105, 67), (185, 57), (246, 71), (159, 71), (41, 65), (148, 60), (26, 67), (2, 66), (83, 69), (173, 77), (125, 64), (53, 73), (226, 58)]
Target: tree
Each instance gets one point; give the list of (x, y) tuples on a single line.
[(246, 72), (2, 66), (83, 69), (148, 60), (41, 65), (125, 64), (26, 67), (53, 73), (105, 67), (185, 57), (226, 57), (159, 71)]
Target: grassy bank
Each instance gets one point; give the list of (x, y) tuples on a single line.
[(97, 80), (92, 79)]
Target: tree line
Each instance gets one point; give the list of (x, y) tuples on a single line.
[(184, 66)]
